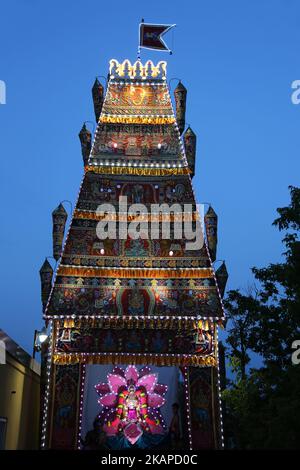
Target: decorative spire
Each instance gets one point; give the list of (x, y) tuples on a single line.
[(211, 226), (46, 273), (189, 138), (85, 137), (222, 276), (59, 218), (180, 101), (98, 94)]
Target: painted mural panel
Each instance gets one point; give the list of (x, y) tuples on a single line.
[(135, 142), (131, 297), (65, 407), (136, 99), (128, 407), (202, 408), (198, 339)]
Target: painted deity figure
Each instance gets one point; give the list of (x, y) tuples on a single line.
[(132, 406), (136, 302), (158, 342), (136, 247), (133, 343), (132, 147), (137, 194)]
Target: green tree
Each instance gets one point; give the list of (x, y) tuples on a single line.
[(241, 313), (263, 404), (280, 290)]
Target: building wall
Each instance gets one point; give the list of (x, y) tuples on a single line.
[(20, 403)]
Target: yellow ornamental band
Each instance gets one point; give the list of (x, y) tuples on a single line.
[(138, 359), (125, 217), (126, 170), (130, 273), (137, 119), (155, 322)]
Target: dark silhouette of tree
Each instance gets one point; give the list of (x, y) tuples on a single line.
[(263, 404)]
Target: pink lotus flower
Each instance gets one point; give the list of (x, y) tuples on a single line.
[(131, 399)]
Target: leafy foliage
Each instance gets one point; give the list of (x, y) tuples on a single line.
[(263, 405)]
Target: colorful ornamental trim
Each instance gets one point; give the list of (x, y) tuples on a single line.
[(137, 322), (137, 70), (92, 215), (126, 170), (137, 359), (137, 119), (129, 273), (166, 321)]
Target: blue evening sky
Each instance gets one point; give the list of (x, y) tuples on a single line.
[(237, 59)]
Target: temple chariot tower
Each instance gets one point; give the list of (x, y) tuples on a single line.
[(133, 349)]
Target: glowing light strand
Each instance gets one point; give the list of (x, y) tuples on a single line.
[(82, 385), (47, 389), (188, 405)]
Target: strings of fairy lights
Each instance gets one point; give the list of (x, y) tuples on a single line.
[(217, 336), (47, 388), (45, 412), (82, 385), (129, 317), (219, 392), (188, 405), (134, 164)]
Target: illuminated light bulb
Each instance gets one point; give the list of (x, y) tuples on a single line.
[(171, 253), (159, 146), (102, 251), (115, 145)]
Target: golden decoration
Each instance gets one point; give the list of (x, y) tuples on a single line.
[(69, 323), (146, 71), (151, 217), (140, 359), (127, 170), (135, 273), (137, 119), (124, 322)]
